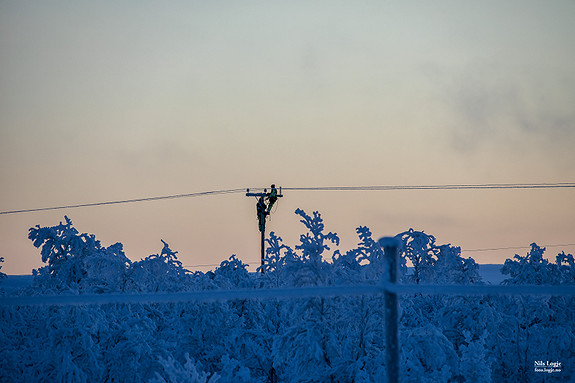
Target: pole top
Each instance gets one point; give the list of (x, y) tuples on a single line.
[(262, 194), (389, 242)]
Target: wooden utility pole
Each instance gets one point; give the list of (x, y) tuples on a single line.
[(263, 211)]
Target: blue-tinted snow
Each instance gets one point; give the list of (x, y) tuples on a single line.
[(491, 273), (461, 337)]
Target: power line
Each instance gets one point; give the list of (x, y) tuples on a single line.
[(463, 250), (555, 185), (438, 187), (198, 194), (196, 266), (517, 247)]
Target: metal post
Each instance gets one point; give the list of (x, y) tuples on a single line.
[(391, 252)]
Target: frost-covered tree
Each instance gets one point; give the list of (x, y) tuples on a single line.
[(321, 339), (176, 372), (369, 250), (280, 259), (535, 326), (566, 268), (158, 272), (451, 268), (418, 249), (306, 348), (2, 275), (315, 242), (475, 361), (440, 264), (530, 269), (366, 262), (233, 273), (427, 355), (77, 262), (313, 269), (534, 269)]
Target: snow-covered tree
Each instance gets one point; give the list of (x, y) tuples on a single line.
[(566, 268), (534, 269), (158, 272), (77, 262), (427, 355), (321, 339), (176, 372), (418, 249), (475, 362), (366, 262), (451, 268), (535, 327), (2, 275), (280, 259), (233, 273), (439, 264), (313, 268)]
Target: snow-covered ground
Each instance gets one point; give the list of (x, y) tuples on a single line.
[(490, 273), (14, 282)]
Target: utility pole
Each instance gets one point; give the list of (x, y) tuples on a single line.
[(263, 210), (390, 247)]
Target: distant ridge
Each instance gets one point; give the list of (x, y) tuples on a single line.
[(491, 273)]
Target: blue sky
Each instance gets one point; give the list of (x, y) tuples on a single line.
[(116, 100)]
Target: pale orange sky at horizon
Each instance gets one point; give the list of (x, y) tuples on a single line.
[(104, 101)]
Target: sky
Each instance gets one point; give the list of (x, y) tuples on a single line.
[(104, 101)]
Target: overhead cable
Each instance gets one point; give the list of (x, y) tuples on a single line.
[(555, 185), (198, 194), (518, 247), (438, 187)]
